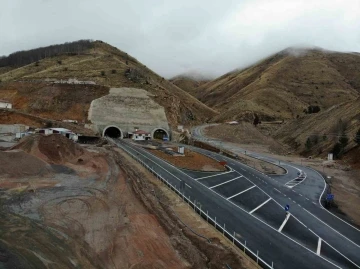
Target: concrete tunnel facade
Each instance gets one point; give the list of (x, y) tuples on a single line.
[(125, 109)]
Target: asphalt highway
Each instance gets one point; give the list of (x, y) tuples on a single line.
[(251, 206)]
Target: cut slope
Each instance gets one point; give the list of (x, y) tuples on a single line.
[(283, 85), (108, 66)]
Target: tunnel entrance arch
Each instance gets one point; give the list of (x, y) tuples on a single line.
[(160, 133), (113, 132)]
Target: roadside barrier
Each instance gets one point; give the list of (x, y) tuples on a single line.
[(205, 215)]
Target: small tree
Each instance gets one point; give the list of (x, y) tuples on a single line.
[(357, 137), (256, 120), (343, 140), (337, 150), (308, 144)]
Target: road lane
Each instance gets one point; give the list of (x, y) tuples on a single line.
[(259, 235)]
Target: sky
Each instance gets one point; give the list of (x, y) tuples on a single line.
[(208, 37)]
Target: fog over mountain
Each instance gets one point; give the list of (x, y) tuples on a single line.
[(176, 37)]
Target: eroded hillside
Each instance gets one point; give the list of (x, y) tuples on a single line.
[(104, 65)]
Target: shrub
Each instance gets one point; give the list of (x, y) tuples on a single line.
[(59, 62), (66, 69), (313, 109), (337, 150), (256, 120), (103, 73), (343, 140), (357, 136), (308, 144), (113, 71)]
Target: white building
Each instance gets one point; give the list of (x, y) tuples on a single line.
[(62, 131), (5, 104), (140, 135)]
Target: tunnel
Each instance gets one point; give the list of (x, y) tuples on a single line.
[(113, 132), (159, 133)]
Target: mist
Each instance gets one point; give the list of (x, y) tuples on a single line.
[(208, 38)]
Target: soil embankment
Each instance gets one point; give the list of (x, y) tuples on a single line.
[(190, 160), (98, 209)]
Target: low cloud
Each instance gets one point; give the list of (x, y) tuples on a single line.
[(175, 37)]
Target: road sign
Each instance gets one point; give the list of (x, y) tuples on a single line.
[(330, 196), (287, 207)]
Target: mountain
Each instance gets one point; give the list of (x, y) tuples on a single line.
[(29, 79), (189, 82), (284, 85)]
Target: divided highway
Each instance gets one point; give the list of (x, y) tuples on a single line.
[(251, 205)]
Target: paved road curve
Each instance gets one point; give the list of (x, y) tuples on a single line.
[(303, 195), (250, 205)]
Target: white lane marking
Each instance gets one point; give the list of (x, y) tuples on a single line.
[(314, 203), (300, 194), (252, 211), (296, 219), (330, 227), (277, 190), (215, 175), (284, 222), (241, 192), (224, 182), (307, 199), (296, 242), (318, 247)]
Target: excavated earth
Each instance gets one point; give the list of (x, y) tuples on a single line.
[(69, 206)]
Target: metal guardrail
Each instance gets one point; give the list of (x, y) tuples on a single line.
[(202, 213)]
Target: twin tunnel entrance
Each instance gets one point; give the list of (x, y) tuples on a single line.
[(116, 132), (113, 132)]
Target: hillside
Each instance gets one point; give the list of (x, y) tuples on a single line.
[(34, 87), (285, 84), (323, 129)]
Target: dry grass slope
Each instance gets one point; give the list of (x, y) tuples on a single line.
[(283, 85)]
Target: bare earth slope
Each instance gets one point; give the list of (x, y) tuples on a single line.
[(103, 64), (283, 85)]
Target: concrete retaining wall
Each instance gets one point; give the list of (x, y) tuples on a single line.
[(127, 108)]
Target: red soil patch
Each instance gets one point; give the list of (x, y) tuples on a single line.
[(192, 160)]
